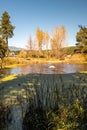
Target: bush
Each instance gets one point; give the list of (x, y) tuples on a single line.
[(23, 54), (84, 50)]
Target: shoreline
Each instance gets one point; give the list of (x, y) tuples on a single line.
[(12, 62), (44, 62)]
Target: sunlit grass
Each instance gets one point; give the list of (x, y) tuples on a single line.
[(9, 77), (85, 72), (13, 65)]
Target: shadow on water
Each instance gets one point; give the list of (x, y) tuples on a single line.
[(29, 96)]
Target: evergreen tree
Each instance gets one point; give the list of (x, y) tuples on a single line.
[(81, 38), (6, 27), (3, 49), (6, 31)]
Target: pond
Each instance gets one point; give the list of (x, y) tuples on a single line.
[(47, 68)]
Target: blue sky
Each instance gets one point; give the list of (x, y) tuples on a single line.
[(28, 15)]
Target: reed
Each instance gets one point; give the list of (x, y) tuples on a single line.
[(53, 103)]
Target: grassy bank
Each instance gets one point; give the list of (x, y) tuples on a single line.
[(53, 101)]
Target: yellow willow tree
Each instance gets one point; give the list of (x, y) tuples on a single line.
[(63, 35), (57, 40), (40, 38), (29, 46), (46, 41), (53, 46)]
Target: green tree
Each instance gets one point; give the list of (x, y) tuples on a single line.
[(6, 28), (81, 38), (3, 49)]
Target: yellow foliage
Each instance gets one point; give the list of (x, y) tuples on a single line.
[(23, 54), (39, 35), (59, 35), (40, 38)]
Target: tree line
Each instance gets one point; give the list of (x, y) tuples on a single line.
[(45, 41), (53, 44)]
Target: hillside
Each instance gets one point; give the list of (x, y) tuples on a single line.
[(13, 48)]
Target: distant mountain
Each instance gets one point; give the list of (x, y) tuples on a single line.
[(13, 48)]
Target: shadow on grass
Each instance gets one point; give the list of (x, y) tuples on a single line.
[(38, 94), (22, 85)]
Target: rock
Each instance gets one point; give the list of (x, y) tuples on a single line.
[(52, 66)]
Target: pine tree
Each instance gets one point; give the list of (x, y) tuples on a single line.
[(6, 27), (6, 31), (3, 49), (81, 38)]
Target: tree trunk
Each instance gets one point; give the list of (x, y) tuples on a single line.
[(7, 47)]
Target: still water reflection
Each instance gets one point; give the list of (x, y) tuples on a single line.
[(44, 68)]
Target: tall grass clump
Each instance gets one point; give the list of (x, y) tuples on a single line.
[(47, 102), (55, 105)]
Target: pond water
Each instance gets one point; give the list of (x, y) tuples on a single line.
[(59, 68)]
